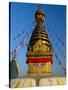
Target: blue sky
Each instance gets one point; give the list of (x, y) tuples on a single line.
[(22, 19)]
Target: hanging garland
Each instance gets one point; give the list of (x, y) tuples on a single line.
[(64, 69), (22, 32), (51, 31), (62, 53)]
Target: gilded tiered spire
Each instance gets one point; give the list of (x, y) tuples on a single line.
[(39, 52), (39, 33)]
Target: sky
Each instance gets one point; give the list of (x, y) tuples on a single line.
[(22, 20)]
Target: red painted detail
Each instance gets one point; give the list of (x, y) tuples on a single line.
[(39, 60)]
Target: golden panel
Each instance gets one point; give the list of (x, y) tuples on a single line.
[(40, 47), (39, 68)]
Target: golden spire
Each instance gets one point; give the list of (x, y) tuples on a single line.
[(39, 33)]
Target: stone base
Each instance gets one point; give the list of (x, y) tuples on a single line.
[(31, 82)]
